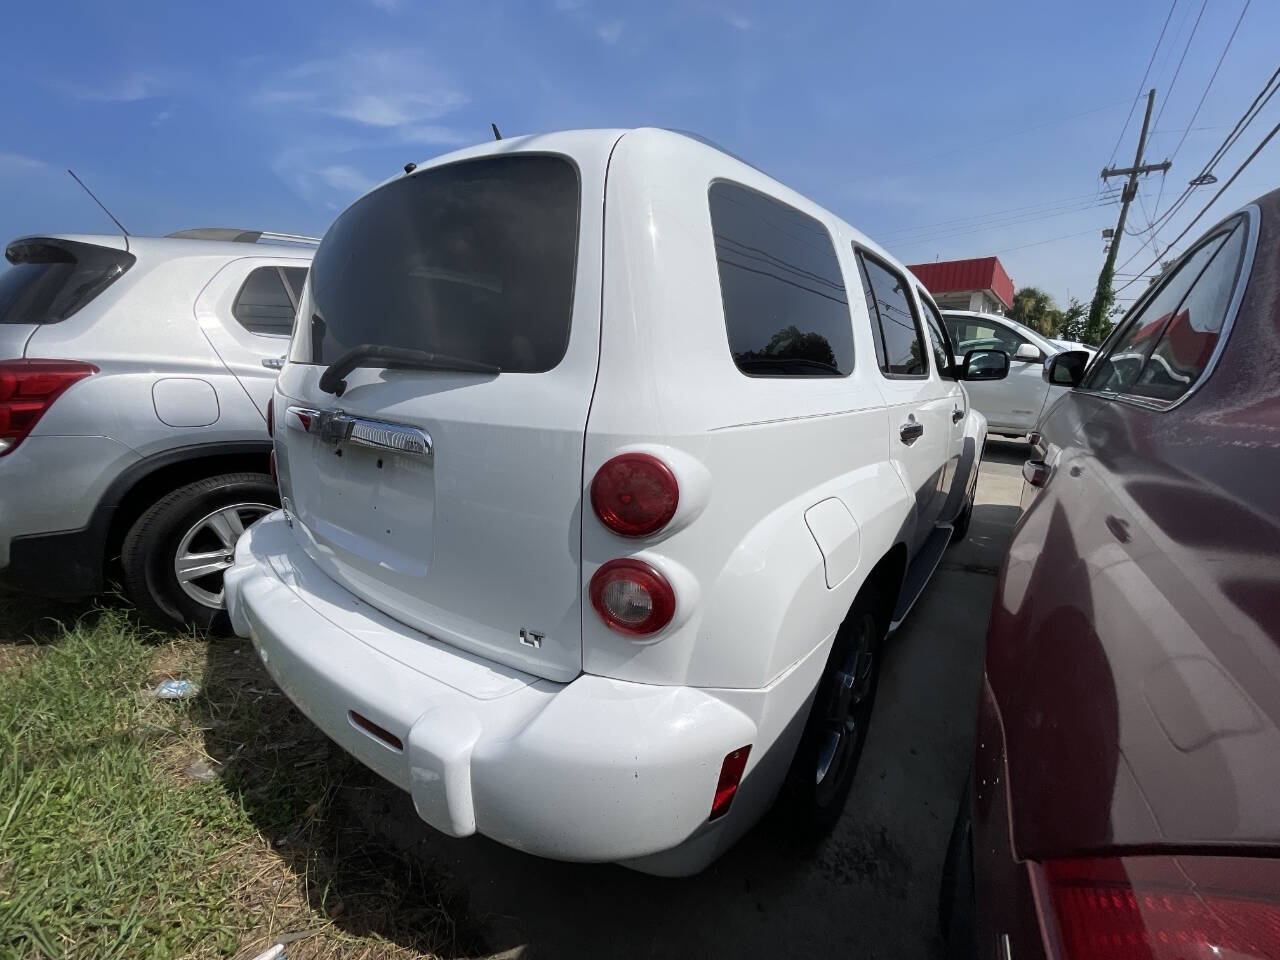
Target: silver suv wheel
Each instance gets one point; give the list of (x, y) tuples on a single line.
[(207, 549)]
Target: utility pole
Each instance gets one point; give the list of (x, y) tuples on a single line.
[(1095, 326)]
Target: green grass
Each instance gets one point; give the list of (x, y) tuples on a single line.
[(108, 849)]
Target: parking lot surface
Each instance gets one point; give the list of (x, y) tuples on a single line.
[(869, 890)]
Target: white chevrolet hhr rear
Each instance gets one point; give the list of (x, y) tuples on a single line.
[(561, 553)]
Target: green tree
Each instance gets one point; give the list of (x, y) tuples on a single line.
[(1034, 308), (1071, 322)]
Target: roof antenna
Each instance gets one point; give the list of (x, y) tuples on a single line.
[(496, 134), (104, 208)]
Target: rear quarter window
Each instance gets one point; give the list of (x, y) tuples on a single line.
[(785, 308), (265, 305), (474, 260)]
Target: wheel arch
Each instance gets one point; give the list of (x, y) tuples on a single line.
[(149, 479)]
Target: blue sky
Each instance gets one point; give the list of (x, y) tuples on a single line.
[(918, 123)]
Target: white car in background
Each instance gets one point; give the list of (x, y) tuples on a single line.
[(1013, 406)]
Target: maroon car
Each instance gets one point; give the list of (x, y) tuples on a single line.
[(1125, 794)]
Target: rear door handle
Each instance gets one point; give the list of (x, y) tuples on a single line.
[(911, 431), (957, 415)]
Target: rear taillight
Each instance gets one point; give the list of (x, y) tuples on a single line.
[(635, 494), (271, 417), (632, 597), (1166, 908), (28, 388), (730, 777)]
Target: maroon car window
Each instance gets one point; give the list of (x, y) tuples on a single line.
[(1120, 369), (1189, 339)]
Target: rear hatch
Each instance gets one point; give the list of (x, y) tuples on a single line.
[(441, 480), (47, 280)]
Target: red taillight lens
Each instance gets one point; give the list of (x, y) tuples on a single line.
[(27, 389), (632, 597), (730, 777), (635, 494), (1167, 908), (271, 417)]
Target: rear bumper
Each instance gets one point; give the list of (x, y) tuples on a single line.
[(53, 525), (592, 770)]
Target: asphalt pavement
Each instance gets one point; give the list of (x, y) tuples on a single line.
[(869, 891)]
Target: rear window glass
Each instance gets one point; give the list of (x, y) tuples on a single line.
[(474, 260), (264, 305), (785, 307), (50, 280)]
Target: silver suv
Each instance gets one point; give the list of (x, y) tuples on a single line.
[(135, 374)]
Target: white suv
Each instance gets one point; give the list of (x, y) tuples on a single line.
[(606, 464), (133, 396)]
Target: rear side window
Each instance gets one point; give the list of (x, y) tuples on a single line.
[(266, 304), (296, 278), (472, 261), (785, 307), (896, 328), (49, 280), (1166, 345)]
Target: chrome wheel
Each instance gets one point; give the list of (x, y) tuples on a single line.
[(846, 706), (208, 549)]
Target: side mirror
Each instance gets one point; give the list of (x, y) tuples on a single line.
[(1028, 352), (1066, 369), (985, 365)]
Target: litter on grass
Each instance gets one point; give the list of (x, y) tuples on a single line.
[(174, 690)]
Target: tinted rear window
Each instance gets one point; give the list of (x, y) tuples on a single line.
[(473, 260), (264, 305), (785, 307), (50, 280)]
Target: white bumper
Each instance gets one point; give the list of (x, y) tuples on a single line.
[(591, 770)]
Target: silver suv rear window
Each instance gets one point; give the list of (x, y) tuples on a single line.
[(474, 260), (52, 279)]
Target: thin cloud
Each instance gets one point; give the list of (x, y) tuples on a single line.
[(432, 135), (127, 89), (162, 117), (346, 178), (610, 32), (565, 6), (737, 21), (373, 88), (21, 163), (388, 6)]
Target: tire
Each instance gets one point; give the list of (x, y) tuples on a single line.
[(960, 528), (957, 905), (201, 521), (822, 771)]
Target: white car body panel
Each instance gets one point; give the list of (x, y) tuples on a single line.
[(598, 746), (1014, 405)]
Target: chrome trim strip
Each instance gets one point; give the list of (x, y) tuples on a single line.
[(335, 426)]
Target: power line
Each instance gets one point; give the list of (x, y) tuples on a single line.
[(1177, 70), (998, 223), (1251, 113), (1213, 76), (993, 213), (1142, 83), (1205, 208), (1037, 243)]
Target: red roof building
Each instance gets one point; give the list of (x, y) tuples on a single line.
[(980, 284)]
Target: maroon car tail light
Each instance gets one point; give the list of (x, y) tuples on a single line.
[(271, 417), (632, 597), (730, 776), (635, 494), (1166, 908), (28, 389), (1035, 472)]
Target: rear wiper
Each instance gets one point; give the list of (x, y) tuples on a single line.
[(333, 380)]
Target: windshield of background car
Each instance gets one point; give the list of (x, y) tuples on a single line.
[(473, 260)]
